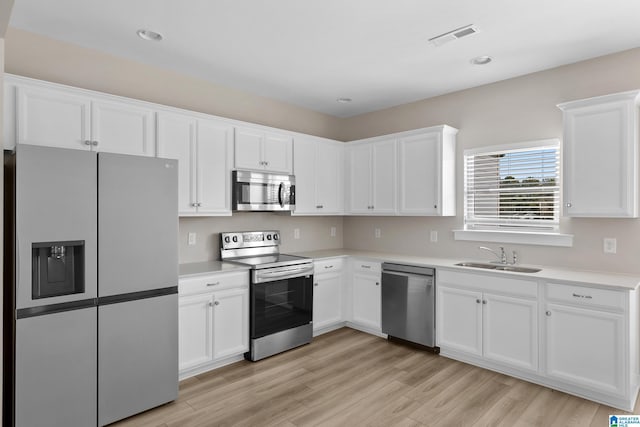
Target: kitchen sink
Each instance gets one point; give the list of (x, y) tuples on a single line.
[(500, 267)]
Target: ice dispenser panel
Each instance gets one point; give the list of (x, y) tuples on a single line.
[(57, 268)]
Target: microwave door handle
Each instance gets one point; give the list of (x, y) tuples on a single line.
[(281, 195)]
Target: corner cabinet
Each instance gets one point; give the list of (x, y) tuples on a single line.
[(61, 116), (260, 150), (213, 321), (426, 172), (601, 156), (204, 150), (371, 176), (318, 165)]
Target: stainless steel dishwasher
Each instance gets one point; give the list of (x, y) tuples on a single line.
[(408, 303)]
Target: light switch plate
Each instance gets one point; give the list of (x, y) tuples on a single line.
[(433, 236), (192, 239), (610, 245), (377, 233), (296, 233), (333, 232)]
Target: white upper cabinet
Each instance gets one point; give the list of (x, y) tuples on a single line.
[(203, 149), (371, 171), (122, 127), (601, 156), (59, 116), (318, 166), (263, 151), (426, 172)]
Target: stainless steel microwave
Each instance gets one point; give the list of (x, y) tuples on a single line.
[(257, 191)]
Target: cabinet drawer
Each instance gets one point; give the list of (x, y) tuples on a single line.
[(589, 297), (213, 282), (360, 266), (328, 265), (489, 283)]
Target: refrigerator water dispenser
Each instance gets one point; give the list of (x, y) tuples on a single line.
[(57, 268)]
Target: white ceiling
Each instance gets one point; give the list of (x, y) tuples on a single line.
[(310, 52)]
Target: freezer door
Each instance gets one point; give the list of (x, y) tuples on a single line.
[(56, 369), (137, 356), (56, 201), (138, 223)]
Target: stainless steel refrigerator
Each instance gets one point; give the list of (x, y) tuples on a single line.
[(91, 251)]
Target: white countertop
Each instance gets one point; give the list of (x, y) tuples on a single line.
[(595, 278), (198, 268)]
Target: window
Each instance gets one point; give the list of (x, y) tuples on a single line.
[(514, 187)]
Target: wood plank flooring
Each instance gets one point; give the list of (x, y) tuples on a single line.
[(349, 378)]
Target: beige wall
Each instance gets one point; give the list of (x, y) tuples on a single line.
[(32, 55), (1, 215), (315, 233), (518, 109)]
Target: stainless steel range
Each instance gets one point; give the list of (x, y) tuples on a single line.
[(281, 292)]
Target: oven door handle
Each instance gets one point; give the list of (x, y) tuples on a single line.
[(260, 277), (281, 194)]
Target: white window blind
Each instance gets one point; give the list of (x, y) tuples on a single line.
[(513, 188)]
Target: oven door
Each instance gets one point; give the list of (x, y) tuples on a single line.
[(280, 305)]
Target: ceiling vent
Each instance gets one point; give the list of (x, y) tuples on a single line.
[(456, 34)]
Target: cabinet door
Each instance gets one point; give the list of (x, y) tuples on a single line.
[(231, 323), (585, 347), (459, 320), (419, 174), (304, 163), (327, 300), (123, 128), (52, 118), (277, 152), (367, 301), (213, 170), (359, 169), (510, 331), (248, 149), (600, 160), (329, 178), (176, 140), (384, 177), (195, 330)]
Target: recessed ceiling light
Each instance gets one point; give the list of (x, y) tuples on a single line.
[(481, 60), (149, 35), (344, 100)]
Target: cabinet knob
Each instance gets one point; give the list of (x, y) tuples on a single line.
[(548, 313), (194, 205), (435, 206), (217, 303), (568, 204), (477, 301), (87, 142), (315, 284), (94, 143), (210, 304), (484, 301), (377, 283)]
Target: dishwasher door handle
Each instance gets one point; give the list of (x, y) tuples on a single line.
[(410, 275)]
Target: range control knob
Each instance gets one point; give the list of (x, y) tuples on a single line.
[(268, 236), (275, 236), (235, 239), (227, 239)]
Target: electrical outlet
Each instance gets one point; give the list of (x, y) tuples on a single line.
[(192, 239), (609, 245), (433, 236), (333, 232), (377, 233), (296, 233)]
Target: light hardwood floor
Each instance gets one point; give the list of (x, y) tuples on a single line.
[(349, 378)]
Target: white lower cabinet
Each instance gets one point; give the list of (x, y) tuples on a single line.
[(498, 328), (213, 321), (366, 295), (585, 345), (327, 295)]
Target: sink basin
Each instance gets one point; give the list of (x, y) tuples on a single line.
[(501, 267)]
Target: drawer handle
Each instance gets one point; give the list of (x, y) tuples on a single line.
[(213, 284), (328, 266), (548, 313), (582, 296), (315, 284), (484, 301), (377, 283), (365, 266), (477, 301), (217, 303)]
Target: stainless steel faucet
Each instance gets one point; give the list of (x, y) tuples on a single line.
[(502, 256)]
